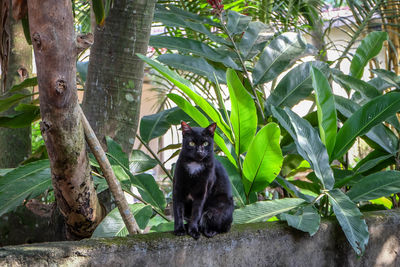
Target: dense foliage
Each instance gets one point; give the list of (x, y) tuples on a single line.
[(261, 142)]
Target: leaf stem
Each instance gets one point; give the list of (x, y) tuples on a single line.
[(155, 157), (237, 51)]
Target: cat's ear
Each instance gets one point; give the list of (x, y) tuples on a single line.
[(211, 128), (185, 128)]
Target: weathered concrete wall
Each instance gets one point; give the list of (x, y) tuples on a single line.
[(260, 244)]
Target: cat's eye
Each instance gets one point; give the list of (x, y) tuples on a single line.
[(205, 143), (191, 143)]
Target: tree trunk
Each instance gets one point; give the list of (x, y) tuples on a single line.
[(15, 144), (53, 38), (115, 73)]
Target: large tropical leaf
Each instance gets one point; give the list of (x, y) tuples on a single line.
[(174, 12), (326, 110), (156, 125), (294, 86), (10, 101), (113, 225), (194, 47), (237, 23), (253, 41), (361, 121), (99, 11), (149, 190), (189, 90), (202, 121), (25, 115), (305, 219), (350, 218), (141, 162), (388, 76), (350, 82), (308, 144), (173, 17), (118, 156), (236, 181), (262, 210), (263, 161), (277, 56), (197, 65), (243, 113), (372, 160), (370, 46), (376, 185), (379, 134), (30, 82), (23, 183)]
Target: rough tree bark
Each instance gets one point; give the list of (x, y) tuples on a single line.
[(53, 38), (115, 74), (15, 144)]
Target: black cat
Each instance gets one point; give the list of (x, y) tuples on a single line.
[(202, 193)]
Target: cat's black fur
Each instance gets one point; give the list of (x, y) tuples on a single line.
[(202, 193)]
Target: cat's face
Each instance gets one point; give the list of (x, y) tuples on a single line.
[(197, 143)]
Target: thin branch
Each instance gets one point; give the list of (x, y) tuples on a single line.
[(113, 183)]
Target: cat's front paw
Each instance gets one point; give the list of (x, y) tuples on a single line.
[(180, 231), (193, 231)]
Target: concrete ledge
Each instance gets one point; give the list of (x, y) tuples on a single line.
[(260, 244)]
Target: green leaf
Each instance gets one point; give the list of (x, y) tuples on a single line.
[(195, 23), (189, 90), (253, 42), (27, 32), (308, 144), (5, 171), (197, 65), (263, 161), (115, 150), (388, 76), (98, 10), (295, 86), (349, 82), (149, 190), (305, 219), (163, 227), (372, 160), (376, 185), (292, 189), (262, 210), (23, 183), (326, 110), (350, 218), (369, 115), (82, 69), (23, 118), (174, 12), (370, 47), (237, 23), (379, 134), (113, 225), (10, 101), (277, 56), (155, 125), (141, 162), (30, 82), (243, 114), (198, 48), (202, 121), (236, 181)]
